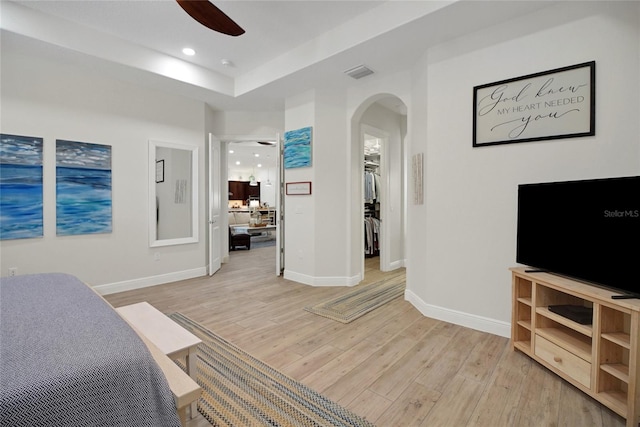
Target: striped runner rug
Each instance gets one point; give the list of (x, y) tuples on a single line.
[(240, 390), (361, 300)]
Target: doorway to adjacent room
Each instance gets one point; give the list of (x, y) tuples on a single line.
[(254, 193)]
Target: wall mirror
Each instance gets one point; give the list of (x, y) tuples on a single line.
[(173, 194)]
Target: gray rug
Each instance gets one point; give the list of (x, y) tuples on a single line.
[(240, 390), (261, 243), (360, 300)]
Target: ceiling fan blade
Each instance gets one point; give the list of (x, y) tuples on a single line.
[(210, 16)]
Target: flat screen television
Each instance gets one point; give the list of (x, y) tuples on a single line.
[(587, 230)]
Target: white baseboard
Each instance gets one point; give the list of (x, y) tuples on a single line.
[(321, 281), (128, 285), (472, 321), (396, 264)]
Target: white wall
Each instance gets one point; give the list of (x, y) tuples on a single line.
[(52, 100), (459, 272), (299, 215), (330, 188), (259, 123), (319, 249), (267, 193)]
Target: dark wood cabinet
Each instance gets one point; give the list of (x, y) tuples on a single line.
[(236, 190), (253, 190), (241, 190)]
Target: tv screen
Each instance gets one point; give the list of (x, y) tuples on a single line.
[(588, 230)]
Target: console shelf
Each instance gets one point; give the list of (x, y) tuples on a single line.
[(618, 370), (620, 339), (601, 359), (583, 329)]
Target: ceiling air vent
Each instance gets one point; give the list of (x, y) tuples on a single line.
[(359, 72)]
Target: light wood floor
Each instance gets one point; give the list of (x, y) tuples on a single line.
[(393, 366)]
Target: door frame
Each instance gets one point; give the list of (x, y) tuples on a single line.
[(279, 185), (214, 203)]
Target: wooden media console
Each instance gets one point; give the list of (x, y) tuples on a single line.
[(601, 358)]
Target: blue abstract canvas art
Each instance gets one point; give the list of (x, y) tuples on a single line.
[(297, 148), (20, 187), (83, 188)]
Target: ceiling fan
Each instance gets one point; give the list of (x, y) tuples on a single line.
[(210, 16)]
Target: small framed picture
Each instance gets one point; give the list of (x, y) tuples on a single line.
[(160, 171), (298, 188)]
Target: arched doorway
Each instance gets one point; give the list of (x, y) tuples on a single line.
[(379, 123)]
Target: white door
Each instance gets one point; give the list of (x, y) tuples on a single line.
[(279, 208), (215, 197)]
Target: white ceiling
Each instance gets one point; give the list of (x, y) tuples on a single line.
[(288, 47), (252, 156), (163, 26)]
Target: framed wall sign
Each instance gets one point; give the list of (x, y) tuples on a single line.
[(552, 104), (298, 188)]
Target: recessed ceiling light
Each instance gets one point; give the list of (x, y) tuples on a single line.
[(188, 51), (259, 165), (227, 63), (238, 162), (256, 154), (230, 151)]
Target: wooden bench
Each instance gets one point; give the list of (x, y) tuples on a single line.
[(167, 340), (185, 390)]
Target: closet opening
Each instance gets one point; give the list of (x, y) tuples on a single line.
[(372, 196), (379, 131)]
